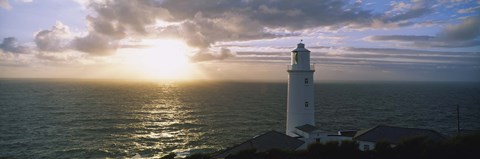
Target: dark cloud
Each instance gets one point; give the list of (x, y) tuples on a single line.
[(465, 34), (59, 39), (425, 41), (115, 17), (409, 51), (10, 44), (202, 31), (293, 15), (447, 44), (95, 44), (469, 29), (414, 55), (115, 20), (400, 38), (106, 28), (54, 40)]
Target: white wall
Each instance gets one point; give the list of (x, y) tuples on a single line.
[(324, 138)]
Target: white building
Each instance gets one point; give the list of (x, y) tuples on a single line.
[(300, 101), (311, 134)]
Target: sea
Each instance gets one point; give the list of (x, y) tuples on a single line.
[(69, 118)]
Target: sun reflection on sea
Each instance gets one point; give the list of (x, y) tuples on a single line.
[(167, 124)]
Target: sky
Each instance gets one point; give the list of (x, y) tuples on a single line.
[(242, 40)]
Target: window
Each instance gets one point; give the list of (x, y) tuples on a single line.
[(366, 147), (306, 104), (296, 57), (306, 80)]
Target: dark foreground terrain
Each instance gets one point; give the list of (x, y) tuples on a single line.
[(461, 147)]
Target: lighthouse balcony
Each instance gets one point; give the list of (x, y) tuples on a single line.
[(300, 68)]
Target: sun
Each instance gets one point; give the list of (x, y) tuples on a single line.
[(161, 59)]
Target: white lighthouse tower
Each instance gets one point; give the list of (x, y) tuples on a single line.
[(300, 101)]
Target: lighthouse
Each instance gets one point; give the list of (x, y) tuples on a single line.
[(300, 101)]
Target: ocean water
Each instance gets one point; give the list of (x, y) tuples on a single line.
[(98, 119)]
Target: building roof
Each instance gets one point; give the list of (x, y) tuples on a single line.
[(307, 128), (395, 135), (348, 133), (267, 141)]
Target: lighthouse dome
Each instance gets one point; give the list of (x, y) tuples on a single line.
[(300, 48)]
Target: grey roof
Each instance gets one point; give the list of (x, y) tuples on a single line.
[(269, 140), (395, 135), (348, 133), (307, 128)]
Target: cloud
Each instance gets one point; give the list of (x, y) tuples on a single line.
[(447, 44), (107, 28), (465, 34), (15, 60), (114, 16), (390, 51), (13, 54), (224, 53), (116, 20), (469, 10), (95, 44), (59, 39), (400, 38), (202, 23), (10, 44), (293, 15), (423, 41), (24, 1), (404, 11), (390, 59), (5, 5), (469, 29), (201, 32), (414, 56), (51, 58), (55, 40), (400, 14)]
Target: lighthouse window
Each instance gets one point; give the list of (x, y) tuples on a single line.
[(306, 80), (296, 57), (306, 104)]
